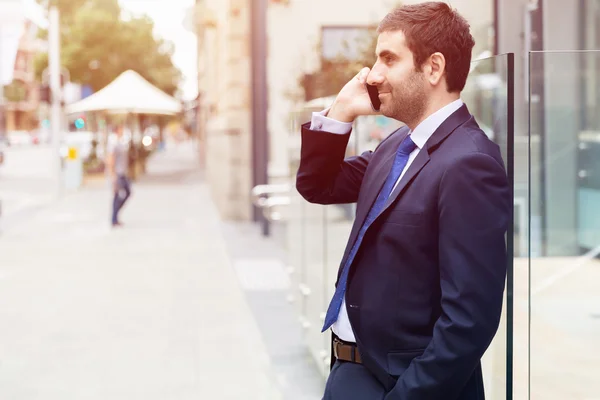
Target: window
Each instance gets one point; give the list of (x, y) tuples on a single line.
[(346, 42)]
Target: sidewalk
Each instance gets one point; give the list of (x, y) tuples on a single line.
[(152, 310)]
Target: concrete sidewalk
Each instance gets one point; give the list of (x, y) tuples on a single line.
[(152, 310)]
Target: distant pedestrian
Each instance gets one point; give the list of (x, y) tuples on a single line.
[(117, 164)]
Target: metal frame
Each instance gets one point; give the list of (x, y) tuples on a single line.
[(268, 197), (510, 284), (260, 134)]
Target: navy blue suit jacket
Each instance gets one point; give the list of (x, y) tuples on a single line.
[(425, 290)]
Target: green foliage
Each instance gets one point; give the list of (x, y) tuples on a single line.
[(97, 46), (69, 8), (15, 92), (335, 73)]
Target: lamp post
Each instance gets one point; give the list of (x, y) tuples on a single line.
[(260, 135), (56, 90)]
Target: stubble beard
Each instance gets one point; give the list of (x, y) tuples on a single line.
[(408, 101)]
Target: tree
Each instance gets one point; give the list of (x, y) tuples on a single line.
[(69, 8), (97, 45), (16, 91)]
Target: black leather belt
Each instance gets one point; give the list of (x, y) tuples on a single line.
[(346, 351)]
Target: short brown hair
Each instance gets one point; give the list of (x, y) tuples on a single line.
[(435, 27)]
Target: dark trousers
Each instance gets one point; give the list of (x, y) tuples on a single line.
[(122, 193), (350, 381)]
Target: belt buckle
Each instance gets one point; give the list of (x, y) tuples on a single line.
[(336, 342)]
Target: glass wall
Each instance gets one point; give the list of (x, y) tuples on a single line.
[(564, 295), (317, 235), (489, 94)]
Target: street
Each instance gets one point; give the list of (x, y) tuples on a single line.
[(180, 305), (152, 310), (26, 180)]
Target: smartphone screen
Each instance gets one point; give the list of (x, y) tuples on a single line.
[(374, 96)]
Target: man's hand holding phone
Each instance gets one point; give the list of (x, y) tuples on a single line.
[(353, 100)]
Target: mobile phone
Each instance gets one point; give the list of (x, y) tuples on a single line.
[(374, 96)]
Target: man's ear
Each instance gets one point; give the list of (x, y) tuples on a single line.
[(436, 66)]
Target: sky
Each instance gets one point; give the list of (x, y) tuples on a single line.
[(168, 19)]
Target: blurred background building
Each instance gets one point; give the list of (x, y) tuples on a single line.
[(564, 104), (19, 45), (22, 95), (303, 35), (300, 35)]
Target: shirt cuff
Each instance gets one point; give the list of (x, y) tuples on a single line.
[(319, 122)]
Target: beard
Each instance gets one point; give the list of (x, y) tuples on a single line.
[(407, 101)]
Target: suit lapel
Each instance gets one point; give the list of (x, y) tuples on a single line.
[(373, 187), (412, 171), (456, 119), (380, 175)]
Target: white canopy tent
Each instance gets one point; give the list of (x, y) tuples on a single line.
[(129, 93), (132, 95)]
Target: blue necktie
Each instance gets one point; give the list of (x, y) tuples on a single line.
[(402, 154)]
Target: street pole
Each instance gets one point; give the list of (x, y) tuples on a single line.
[(260, 135), (2, 132), (2, 113), (55, 115)]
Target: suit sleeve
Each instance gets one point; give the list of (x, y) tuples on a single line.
[(474, 212), (324, 176)]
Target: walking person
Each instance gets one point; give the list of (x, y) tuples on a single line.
[(420, 286), (118, 165)]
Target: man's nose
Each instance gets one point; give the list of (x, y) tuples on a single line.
[(374, 78)]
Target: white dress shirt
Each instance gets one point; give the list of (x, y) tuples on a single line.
[(419, 136)]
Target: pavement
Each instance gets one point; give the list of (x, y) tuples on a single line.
[(26, 181), (176, 304)]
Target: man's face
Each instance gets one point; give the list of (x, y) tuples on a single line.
[(402, 89)]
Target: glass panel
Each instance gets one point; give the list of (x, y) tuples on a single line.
[(294, 220), (312, 290), (295, 245), (565, 226), (488, 94), (306, 246)]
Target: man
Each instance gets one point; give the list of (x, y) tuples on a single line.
[(420, 287), (117, 164)]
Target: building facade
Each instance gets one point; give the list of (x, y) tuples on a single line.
[(297, 40), (224, 105), (22, 94)]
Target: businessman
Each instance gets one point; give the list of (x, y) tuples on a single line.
[(419, 291)]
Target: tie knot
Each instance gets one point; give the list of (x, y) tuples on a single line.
[(407, 146)]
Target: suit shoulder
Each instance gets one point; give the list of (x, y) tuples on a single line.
[(475, 139), (469, 140)]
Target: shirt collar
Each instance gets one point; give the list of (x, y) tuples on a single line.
[(425, 129)]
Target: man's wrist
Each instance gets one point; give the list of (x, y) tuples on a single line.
[(337, 113)]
